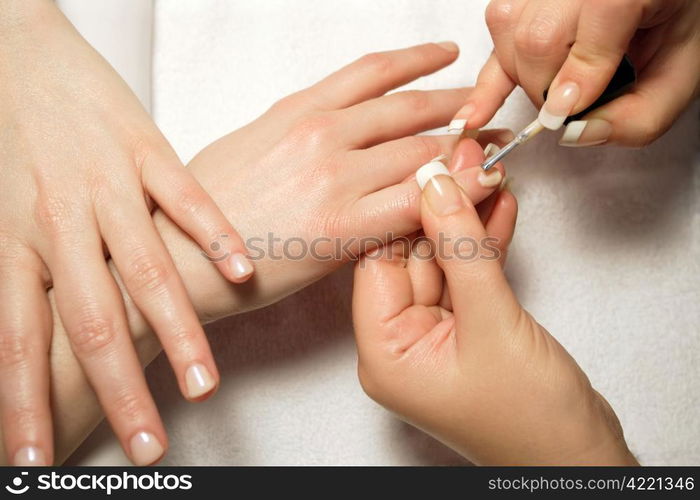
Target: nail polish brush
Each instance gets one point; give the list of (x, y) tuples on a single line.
[(624, 78)]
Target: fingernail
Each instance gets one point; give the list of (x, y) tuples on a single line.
[(491, 149), (490, 178), (198, 381), (441, 192), (456, 127), (145, 448), (429, 170), (29, 456), (240, 265), (449, 46), (586, 133), (560, 103)]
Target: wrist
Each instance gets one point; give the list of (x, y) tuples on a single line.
[(603, 441)]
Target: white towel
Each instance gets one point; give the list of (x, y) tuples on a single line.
[(605, 254)]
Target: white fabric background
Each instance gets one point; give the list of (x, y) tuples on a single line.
[(605, 255)]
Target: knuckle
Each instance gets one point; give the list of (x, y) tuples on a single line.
[(146, 272), (24, 417), (127, 407), (379, 63), (538, 38), (183, 338), (648, 131), (289, 103), (499, 14), (416, 100), (313, 130), (424, 147), (598, 58), (191, 197), (92, 333), (53, 214), (15, 349)]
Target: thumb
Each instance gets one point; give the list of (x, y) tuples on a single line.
[(478, 289)]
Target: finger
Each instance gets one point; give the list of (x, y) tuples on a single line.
[(493, 86), (25, 329), (399, 115), (485, 208), (502, 18), (184, 200), (91, 309), (498, 76), (426, 275), (542, 41), (151, 279), (500, 225), (392, 162), (602, 37), (638, 118), (396, 209), (381, 291), (375, 74), (476, 283)]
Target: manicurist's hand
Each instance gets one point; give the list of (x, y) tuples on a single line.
[(82, 164), (444, 343), (573, 48)]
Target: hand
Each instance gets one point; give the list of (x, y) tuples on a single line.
[(81, 161), (444, 343), (334, 161), (574, 47)]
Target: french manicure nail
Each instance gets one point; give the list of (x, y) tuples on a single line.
[(560, 103), (198, 381), (586, 133), (456, 127), (441, 192), (429, 170), (491, 149), (490, 178), (29, 456), (240, 266), (145, 448), (449, 46)]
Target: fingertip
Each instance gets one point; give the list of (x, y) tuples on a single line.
[(239, 268), (146, 449), (201, 382)]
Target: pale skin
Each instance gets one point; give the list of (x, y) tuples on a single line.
[(311, 166), (548, 44), (348, 176), (82, 166), (444, 344)]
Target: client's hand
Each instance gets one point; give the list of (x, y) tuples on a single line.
[(81, 162), (444, 343), (324, 166)]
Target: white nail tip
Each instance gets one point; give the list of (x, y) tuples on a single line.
[(550, 121), (573, 132), (491, 149), (430, 170), (456, 126)]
